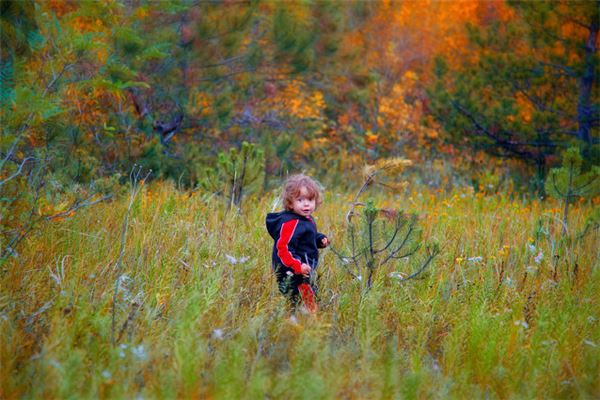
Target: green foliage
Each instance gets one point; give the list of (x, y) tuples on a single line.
[(238, 173), (568, 181), (381, 236), (128, 41), (7, 83), (293, 39)]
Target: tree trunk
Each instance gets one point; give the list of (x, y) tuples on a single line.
[(585, 107)]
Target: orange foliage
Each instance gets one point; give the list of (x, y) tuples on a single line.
[(295, 100)]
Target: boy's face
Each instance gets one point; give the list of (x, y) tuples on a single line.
[(302, 205)]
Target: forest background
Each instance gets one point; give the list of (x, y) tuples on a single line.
[(221, 100)]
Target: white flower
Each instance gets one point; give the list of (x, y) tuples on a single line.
[(123, 283), (591, 319), (289, 273), (234, 260), (531, 247), (359, 277), (589, 343), (524, 324), (139, 352), (475, 260), (538, 259), (217, 334), (106, 374)]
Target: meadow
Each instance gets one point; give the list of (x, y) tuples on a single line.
[(508, 309)]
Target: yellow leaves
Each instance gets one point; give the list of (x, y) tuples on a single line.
[(370, 138), (141, 12), (391, 167), (294, 99), (200, 104)]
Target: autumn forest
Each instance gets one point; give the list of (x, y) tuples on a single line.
[(143, 142)]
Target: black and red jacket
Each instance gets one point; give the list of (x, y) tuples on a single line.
[(296, 240)]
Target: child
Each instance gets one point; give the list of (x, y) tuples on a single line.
[(295, 250)]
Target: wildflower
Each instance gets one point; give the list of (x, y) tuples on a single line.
[(524, 324), (217, 334), (508, 280), (122, 284), (459, 260), (106, 374), (289, 273), (589, 343), (359, 277), (235, 261), (531, 248), (538, 259), (475, 260), (139, 352), (591, 319)]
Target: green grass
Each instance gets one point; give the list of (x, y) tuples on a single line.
[(503, 326)]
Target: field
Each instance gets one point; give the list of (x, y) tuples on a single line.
[(506, 310)]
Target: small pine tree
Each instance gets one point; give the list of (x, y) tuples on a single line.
[(237, 173), (568, 182), (382, 235)]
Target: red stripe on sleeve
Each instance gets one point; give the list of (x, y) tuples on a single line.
[(287, 231)]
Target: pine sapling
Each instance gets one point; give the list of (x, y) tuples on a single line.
[(569, 182), (381, 235)]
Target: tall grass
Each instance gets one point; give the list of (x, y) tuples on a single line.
[(502, 313)]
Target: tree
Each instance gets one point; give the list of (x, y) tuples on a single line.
[(569, 182), (530, 87)]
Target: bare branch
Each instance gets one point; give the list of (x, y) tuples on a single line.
[(77, 205), (409, 233), (18, 172), (433, 252)]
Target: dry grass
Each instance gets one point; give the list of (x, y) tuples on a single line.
[(508, 323)]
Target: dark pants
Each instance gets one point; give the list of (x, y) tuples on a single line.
[(296, 287)]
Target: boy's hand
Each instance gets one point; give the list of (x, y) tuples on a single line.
[(325, 242), (305, 269)]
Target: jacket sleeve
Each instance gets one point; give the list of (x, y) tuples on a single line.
[(320, 237), (283, 252)]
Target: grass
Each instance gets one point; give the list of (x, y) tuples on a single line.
[(508, 323)]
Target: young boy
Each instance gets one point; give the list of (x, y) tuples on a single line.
[(295, 250)]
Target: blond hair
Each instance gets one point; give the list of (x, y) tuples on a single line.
[(294, 184)]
